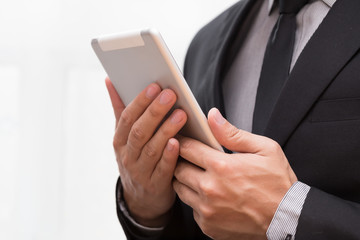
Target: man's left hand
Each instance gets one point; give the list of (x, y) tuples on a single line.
[(233, 196)]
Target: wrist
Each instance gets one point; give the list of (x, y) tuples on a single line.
[(286, 217), (152, 222), (144, 215)]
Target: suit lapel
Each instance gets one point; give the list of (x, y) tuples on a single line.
[(334, 43), (224, 54)]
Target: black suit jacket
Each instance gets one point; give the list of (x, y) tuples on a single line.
[(316, 119)]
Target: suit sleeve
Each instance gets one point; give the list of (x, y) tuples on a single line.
[(327, 217)]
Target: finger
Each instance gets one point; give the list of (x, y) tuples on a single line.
[(232, 138), (133, 111), (164, 170), (189, 175), (197, 153), (154, 148), (117, 104), (186, 194), (145, 127)]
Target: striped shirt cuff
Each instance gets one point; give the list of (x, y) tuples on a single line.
[(285, 221)]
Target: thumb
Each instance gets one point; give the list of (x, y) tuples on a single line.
[(232, 138)]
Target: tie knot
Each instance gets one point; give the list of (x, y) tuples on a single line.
[(291, 6)]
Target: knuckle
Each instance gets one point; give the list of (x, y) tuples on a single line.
[(125, 162), (150, 151), (207, 189), (234, 133), (126, 119), (206, 212), (154, 112), (220, 166), (166, 131), (116, 142), (274, 147), (137, 134)]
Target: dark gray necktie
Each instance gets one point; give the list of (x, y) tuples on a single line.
[(276, 64)]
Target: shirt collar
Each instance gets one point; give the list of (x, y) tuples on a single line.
[(330, 3)]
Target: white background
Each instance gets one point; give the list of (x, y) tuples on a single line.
[(57, 167)]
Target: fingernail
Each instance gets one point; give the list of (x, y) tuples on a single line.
[(165, 98), (219, 118), (170, 145), (151, 92), (177, 117)]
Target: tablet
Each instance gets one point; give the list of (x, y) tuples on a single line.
[(135, 59)]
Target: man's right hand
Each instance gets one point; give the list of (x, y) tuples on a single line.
[(146, 152)]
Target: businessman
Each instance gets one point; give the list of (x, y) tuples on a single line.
[(289, 72)]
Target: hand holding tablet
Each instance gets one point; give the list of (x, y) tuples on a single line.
[(133, 60)]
